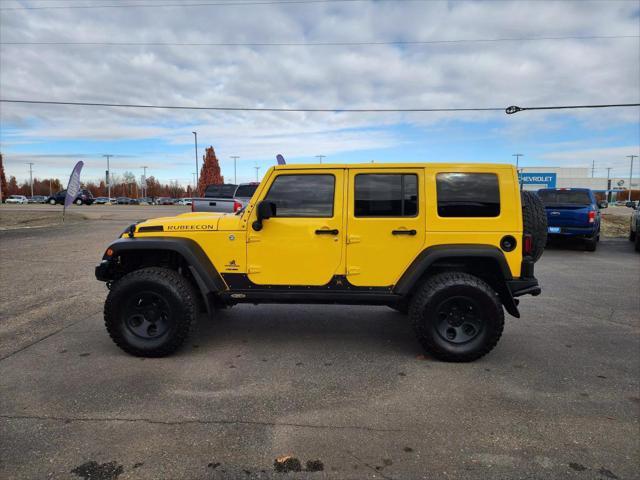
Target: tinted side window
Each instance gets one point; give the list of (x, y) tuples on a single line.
[(302, 195), (386, 195), (468, 195), (246, 191)]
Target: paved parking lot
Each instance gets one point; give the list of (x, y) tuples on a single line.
[(348, 386)]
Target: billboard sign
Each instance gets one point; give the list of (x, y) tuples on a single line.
[(541, 180)]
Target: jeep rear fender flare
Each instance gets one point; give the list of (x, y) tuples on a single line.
[(203, 271), (438, 254)]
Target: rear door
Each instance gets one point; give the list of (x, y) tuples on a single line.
[(385, 224)]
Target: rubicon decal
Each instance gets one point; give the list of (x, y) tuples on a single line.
[(199, 227)]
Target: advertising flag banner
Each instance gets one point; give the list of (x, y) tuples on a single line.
[(73, 187)]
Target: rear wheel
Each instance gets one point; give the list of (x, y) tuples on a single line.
[(534, 222), (52, 202), (149, 312), (591, 244), (79, 201), (457, 317)]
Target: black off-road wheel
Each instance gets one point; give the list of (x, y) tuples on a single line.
[(457, 317), (149, 312), (534, 222)]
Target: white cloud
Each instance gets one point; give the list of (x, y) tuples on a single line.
[(463, 75)]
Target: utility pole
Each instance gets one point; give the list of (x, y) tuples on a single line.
[(195, 134), (631, 157), (194, 182), (609, 184), (257, 168), (235, 171), (144, 180), (108, 177), (593, 168), (320, 157), (31, 176), (518, 155)]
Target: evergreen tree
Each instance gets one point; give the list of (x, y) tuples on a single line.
[(3, 181)]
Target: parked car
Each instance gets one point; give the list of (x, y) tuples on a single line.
[(17, 199), (573, 213), (634, 227), (84, 197), (226, 198), (424, 257), (123, 201), (101, 200), (146, 201), (37, 199), (183, 201), (164, 201)]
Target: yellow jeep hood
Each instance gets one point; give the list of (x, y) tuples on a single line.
[(186, 222)]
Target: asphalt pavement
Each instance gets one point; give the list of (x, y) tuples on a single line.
[(345, 387)]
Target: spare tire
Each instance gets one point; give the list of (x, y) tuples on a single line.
[(534, 222)]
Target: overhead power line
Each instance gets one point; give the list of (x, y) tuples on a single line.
[(508, 110), (320, 44), (193, 4)]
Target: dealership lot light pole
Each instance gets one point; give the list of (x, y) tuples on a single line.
[(195, 134), (631, 157), (235, 172), (31, 176), (108, 177)]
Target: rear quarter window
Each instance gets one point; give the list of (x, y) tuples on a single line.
[(468, 194)]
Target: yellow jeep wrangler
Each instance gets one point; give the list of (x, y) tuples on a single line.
[(449, 244)]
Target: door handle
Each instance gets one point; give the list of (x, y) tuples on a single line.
[(403, 232), (327, 232)]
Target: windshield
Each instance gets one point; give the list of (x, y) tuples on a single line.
[(564, 197), (246, 191), (221, 191)]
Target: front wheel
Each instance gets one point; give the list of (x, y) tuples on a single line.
[(79, 201), (457, 317), (52, 202), (149, 312)]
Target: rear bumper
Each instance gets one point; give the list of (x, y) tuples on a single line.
[(527, 284), (574, 231)]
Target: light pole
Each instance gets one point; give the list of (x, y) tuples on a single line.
[(195, 134), (144, 180), (631, 157), (31, 176), (108, 177), (518, 155), (194, 181), (320, 157), (235, 171), (609, 184), (257, 168)]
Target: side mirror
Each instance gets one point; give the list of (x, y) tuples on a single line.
[(603, 204), (264, 210)]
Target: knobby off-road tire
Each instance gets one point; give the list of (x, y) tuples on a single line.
[(637, 242), (534, 221), (590, 244), (464, 336), (149, 312)]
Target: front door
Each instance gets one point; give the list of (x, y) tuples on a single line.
[(303, 243), (385, 224)]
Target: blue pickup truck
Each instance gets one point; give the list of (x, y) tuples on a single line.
[(573, 212)]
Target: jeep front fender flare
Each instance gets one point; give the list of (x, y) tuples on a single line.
[(204, 272)]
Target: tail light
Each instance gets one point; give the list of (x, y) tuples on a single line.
[(236, 206), (527, 244), (592, 216)]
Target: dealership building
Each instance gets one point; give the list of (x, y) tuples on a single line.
[(533, 178)]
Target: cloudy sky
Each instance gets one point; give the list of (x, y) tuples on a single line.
[(471, 72)]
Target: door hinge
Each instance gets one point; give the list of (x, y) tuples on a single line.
[(353, 270), (253, 269), (353, 239)]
